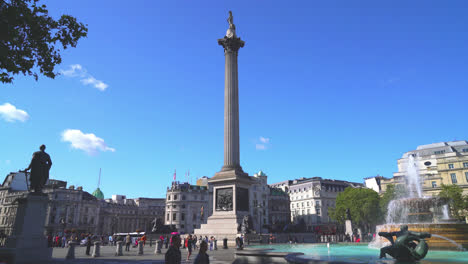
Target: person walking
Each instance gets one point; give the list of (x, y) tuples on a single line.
[(173, 254), (128, 241), (202, 257), (194, 240), (88, 244), (111, 239), (166, 241), (211, 243), (189, 246)]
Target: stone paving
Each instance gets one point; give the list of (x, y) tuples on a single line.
[(108, 256)]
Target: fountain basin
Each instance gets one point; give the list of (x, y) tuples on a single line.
[(457, 232)]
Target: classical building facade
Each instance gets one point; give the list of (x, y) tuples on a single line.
[(187, 206), (310, 198), (120, 214), (279, 211), (437, 164), (74, 209), (259, 208)]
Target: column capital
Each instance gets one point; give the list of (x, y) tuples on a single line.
[(232, 44)]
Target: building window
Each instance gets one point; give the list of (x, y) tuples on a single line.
[(202, 197), (182, 217), (182, 226), (318, 211), (450, 166), (183, 205), (194, 218), (465, 164), (454, 177), (317, 203), (169, 197), (308, 211), (466, 176), (174, 216), (183, 197), (292, 205), (175, 196), (302, 204), (434, 184), (439, 152), (465, 150), (308, 204)]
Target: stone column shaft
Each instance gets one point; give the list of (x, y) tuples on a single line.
[(231, 103)]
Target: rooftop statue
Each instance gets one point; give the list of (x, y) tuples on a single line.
[(39, 166), (405, 247)]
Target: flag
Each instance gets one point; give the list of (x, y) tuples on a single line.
[(175, 174)]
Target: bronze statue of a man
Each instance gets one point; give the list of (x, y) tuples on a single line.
[(39, 166)]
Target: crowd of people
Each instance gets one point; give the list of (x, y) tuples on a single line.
[(174, 256)]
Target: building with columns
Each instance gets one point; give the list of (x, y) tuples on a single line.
[(187, 206), (121, 214), (73, 208)]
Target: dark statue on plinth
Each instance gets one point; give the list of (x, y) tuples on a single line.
[(405, 247), (157, 225), (39, 166), (348, 214)]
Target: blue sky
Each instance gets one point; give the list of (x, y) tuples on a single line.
[(336, 89)]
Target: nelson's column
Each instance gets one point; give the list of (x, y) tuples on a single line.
[(230, 185)]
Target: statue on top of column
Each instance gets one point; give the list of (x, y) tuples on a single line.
[(231, 32)]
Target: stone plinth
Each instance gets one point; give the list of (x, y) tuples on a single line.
[(27, 236), (349, 228), (97, 249), (118, 249)]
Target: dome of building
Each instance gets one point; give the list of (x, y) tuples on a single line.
[(98, 194)]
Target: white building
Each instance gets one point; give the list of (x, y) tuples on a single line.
[(187, 206), (310, 198), (259, 207)]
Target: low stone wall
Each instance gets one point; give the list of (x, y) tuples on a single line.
[(284, 238), (262, 256)]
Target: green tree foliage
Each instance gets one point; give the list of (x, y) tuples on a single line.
[(458, 203), (30, 39), (363, 205)]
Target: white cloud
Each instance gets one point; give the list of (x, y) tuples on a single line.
[(7, 162), (89, 143), (264, 143), (76, 70), (11, 114), (260, 147), (96, 83)]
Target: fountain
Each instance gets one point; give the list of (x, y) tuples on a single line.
[(423, 214)]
